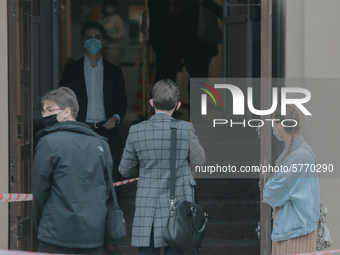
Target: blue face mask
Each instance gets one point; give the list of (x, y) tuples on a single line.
[(276, 135), (93, 46)]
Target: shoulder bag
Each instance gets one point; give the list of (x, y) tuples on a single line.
[(187, 221), (115, 223), (323, 237)]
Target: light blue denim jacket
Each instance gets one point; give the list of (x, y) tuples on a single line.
[(297, 194)]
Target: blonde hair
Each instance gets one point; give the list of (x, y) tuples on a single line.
[(63, 97), (165, 95), (293, 116)]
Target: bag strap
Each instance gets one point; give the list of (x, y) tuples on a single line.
[(173, 126), (323, 209), (113, 191), (310, 152), (307, 150)]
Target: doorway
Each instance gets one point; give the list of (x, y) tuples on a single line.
[(56, 41)]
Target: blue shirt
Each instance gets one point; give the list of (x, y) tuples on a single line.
[(296, 193)]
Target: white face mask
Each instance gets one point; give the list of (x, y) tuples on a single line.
[(277, 135)]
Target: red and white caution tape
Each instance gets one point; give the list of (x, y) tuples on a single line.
[(125, 182), (13, 197), (319, 252), (15, 252)]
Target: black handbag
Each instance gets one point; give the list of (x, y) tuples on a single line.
[(208, 29), (115, 223), (187, 221)]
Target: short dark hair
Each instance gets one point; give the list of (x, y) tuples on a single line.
[(165, 95), (108, 2), (90, 25), (63, 97)]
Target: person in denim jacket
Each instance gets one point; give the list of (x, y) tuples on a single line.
[(294, 191)]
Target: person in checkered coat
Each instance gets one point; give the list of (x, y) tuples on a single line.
[(147, 152)]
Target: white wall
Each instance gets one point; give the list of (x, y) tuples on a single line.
[(313, 51), (3, 124), (294, 43)]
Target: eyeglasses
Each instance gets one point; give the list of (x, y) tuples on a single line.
[(50, 110)]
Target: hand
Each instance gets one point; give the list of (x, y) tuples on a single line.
[(111, 123)]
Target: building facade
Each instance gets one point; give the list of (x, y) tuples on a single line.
[(305, 45)]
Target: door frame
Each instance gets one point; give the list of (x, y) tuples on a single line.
[(266, 137), (20, 121)]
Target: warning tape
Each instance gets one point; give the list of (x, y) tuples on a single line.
[(16, 252), (125, 182), (13, 197), (318, 252)]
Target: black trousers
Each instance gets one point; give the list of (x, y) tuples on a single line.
[(196, 64), (50, 248), (115, 152), (151, 250)]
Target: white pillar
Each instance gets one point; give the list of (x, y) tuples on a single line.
[(3, 124)]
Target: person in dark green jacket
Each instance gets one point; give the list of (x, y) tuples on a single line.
[(70, 179)]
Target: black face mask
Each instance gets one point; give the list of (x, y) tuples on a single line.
[(176, 107), (50, 120)]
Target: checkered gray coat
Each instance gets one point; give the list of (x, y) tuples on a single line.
[(147, 151)]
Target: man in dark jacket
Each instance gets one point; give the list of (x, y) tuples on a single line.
[(99, 86), (70, 179), (173, 36)]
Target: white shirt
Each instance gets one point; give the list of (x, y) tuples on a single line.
[(94, 77)]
